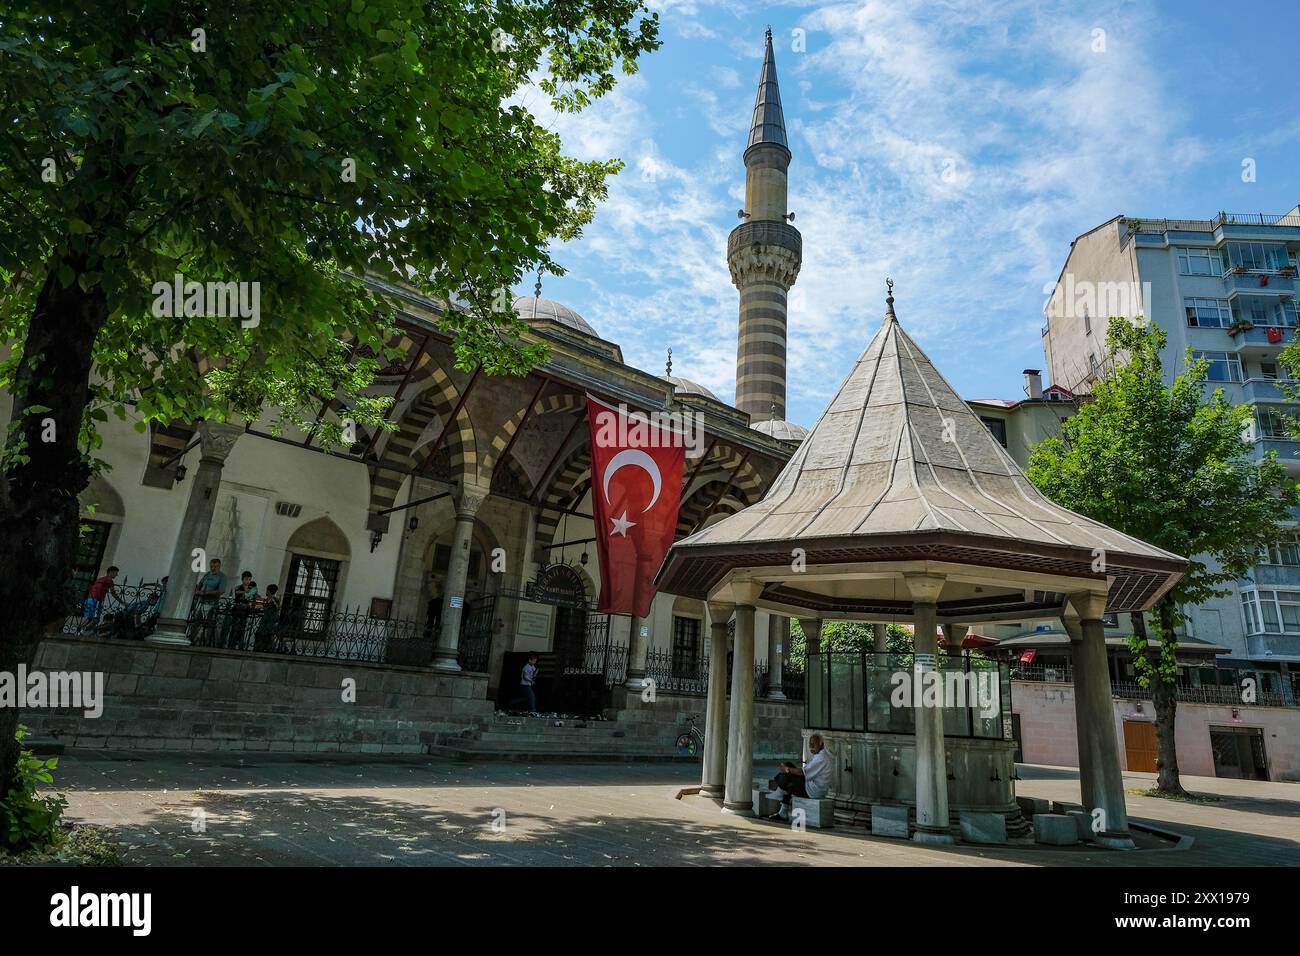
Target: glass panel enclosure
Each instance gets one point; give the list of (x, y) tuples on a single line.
[(878, 692)]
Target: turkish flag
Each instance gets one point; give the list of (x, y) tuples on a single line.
[(636, 488), (1028, 657)]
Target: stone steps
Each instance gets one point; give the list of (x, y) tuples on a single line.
[(469, 750)]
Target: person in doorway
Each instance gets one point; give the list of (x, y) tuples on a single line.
[(527, 678), (812, 780), (264, 639)]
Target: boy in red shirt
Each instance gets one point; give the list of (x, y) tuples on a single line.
[(98, 591)]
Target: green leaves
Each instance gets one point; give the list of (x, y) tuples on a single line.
[(1162, 460)]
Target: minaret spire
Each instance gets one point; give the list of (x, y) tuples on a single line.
[(768, 125), (764, 254)]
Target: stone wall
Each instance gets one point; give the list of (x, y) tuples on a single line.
[(1047, 729), (778, 724), (194, 698)]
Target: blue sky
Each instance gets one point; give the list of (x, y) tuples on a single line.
[(957, 146)]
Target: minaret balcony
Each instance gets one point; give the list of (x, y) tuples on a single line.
[(765, 232)]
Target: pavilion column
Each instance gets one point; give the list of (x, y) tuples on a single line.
[(778, 635), (931, 759), (953, 635), (880, 637), (713, 782), (812, 634), (740, 730), (1083, 728), (467, 502), (1094, 708), (216, 441)]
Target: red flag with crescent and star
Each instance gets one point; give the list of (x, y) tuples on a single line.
[(636, 488)]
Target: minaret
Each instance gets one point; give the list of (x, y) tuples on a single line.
[(764, 253)]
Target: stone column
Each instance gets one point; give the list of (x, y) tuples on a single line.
[(1083, 728), (216, 441), (880, 638), (637, 647), (812, 633), (1098, 749), (713, 781), (778, 636), (931, 759), (740, 730), (953, 635), (468, 500)]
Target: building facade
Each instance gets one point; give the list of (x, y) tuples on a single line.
[(1224, 289), (464, 539)]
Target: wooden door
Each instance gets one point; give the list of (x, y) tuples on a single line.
[(1140, 745)]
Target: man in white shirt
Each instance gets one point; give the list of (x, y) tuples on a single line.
[(812, 780)]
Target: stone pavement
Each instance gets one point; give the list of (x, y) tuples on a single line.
[(182, 809)]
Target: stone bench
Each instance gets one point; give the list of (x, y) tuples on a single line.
[(1055, 829), (890, 821), (981, 827), (764, 806), (816, 813)]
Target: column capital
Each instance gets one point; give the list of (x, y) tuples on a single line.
[(217, 440), (925, 588), (747, 593), (720, 612), (1089, 605), (468, 500)]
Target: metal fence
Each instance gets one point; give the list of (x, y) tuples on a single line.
[(691, 679), (128, 611), (349, 634), (599, 657), (1232, 688)]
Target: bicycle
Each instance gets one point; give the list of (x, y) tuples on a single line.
[(690, 743)]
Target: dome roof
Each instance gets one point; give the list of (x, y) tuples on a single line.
[(777, 428), (684, 386), (532, 309)]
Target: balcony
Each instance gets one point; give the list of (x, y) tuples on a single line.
[(1266, 390), (1288, 450), (1258, 282), (1256, 336)]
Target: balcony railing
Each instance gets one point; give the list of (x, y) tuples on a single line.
[(1229, 691)]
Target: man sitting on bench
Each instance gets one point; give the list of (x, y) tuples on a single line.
[(813, 780)]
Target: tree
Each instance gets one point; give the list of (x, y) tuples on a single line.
[(1169, 464), (287, 148), (847, 636)]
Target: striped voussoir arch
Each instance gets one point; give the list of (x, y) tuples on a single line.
[(438, 400), (546, 405), (570, 482), (704, 501)]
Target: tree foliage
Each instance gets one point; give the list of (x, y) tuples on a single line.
[(1167, 462)]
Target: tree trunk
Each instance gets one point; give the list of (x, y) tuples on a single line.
[(1164, 694), (39, 512)]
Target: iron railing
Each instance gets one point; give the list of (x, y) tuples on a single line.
[(879, 692), (128, 611), (1232, 688), (692, 679), (599, 657), (349, 634)]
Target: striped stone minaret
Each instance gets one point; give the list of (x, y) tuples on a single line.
[(764, 254)]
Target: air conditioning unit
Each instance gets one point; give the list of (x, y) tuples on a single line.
[(288, 509)]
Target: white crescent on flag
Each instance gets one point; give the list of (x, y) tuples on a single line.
[(637, 458)]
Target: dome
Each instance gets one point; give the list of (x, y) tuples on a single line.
[(532, 309), (684, 386), (777, 428)]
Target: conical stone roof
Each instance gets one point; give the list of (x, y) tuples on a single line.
[(898, 467), (768, 125)]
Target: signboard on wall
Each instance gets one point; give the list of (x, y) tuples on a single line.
[(534, 621)]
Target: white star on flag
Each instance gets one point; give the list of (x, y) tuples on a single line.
[(621, 524)]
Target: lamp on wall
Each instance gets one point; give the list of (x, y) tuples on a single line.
[(375, 538), (413, 523), (180, 473)]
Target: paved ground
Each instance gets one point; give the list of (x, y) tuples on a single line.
[(277, 810)]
